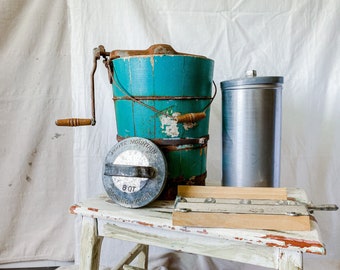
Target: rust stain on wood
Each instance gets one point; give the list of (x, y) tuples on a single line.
[(145, 224), (290, 242), (73, 208)]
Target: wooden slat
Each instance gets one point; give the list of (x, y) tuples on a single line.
[(242, 221), (265, 193)]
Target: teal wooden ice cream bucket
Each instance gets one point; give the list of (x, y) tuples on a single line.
[(165, 96)]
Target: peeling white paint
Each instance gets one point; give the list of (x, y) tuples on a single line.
[(152, 62), (169, 125), (90, 245), (189, 125), (153, 226)]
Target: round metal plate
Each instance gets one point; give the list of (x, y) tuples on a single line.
[(134, 172)]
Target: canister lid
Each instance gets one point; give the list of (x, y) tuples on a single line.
[(252, 79), (134, 173)]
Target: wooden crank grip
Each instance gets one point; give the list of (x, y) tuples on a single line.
[(74, 122), (190, 117)]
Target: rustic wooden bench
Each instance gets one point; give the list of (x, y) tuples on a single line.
[(152, 225)]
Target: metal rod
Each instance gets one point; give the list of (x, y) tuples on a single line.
[(96, 56)]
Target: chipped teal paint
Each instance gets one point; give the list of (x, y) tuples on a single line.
[(157, 76), (186, 162)]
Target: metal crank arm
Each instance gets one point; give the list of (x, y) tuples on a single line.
[(322, 207)]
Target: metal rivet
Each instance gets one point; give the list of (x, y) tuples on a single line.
[(210, 200), (293, 214), (245, 201), (184, 210)]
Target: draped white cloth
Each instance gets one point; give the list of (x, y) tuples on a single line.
[(46, 57), (36, 157)]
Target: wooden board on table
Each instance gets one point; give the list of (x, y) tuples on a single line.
[(234, 220), (241, 221), (265, 193)]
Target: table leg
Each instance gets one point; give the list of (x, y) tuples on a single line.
[(290, 260), (143, 257), (90, 245), (140, 250)]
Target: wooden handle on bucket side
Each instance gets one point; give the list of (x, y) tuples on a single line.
[(190, 117), (74, 122)]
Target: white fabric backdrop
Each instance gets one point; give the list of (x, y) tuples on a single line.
[(295, 39), (36, 158)]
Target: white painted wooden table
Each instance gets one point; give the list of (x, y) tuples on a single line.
[(152, 225)]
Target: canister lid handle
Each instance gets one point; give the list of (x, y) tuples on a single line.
[(251, 73)]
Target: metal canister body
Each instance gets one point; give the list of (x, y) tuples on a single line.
[(252, 109)]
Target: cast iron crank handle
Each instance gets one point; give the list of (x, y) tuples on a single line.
[(75, 122)]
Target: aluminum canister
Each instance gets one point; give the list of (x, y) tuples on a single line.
[(251, 112)]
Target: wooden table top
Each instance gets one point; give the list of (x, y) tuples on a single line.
[(159, 215)]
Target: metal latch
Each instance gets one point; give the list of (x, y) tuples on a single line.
[(246, 206), (129, 171)]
